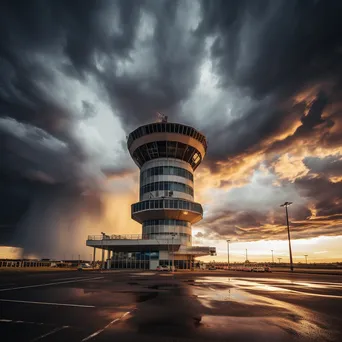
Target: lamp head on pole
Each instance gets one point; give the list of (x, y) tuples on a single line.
[(286, 204)]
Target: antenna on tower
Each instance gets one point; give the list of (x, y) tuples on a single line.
[(161, 117)]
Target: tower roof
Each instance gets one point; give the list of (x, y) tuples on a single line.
[(167, 127)]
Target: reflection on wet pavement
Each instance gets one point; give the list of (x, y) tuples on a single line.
[(266, 309), (235, 309), (149, 306)]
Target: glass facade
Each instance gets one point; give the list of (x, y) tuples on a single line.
[(167, 149), (155, 235), (166, 170), (141, 260), (180, 264), (133, 260), (167, 127), (166, 223), (169, 186), (167, 204)]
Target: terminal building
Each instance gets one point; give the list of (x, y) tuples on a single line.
[(167, 155)]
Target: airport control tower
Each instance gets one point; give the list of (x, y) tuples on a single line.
[(167, 155)]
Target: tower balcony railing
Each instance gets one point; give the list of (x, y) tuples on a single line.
[(176, 204), (167, 208), (130, 237)]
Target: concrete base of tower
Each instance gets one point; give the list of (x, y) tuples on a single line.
[(133, 252)]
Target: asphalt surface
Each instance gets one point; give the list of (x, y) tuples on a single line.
[(150, 306)]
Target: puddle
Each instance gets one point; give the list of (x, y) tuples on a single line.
[(143, 297), (252, 304)]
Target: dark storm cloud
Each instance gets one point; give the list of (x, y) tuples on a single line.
[(272, 50), (98, 37), (44, 43), (145, 56), (176, 52), (43, 164), (250, 225), (296, 42), (330, 166), (308, 123), (326, 195)]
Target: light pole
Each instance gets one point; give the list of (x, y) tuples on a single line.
[(246, 255), (173, 255), (272, 256), (228, 253), (279, 260), (286, 204), (306, 258)]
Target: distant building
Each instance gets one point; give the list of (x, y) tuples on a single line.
[(167, 155)]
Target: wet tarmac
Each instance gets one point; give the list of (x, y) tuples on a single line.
[(151, 306)]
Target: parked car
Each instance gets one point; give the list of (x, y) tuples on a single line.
[(258, 269), (211, 268), (268, 269), (162, 268), (247, 268), (84, 266)]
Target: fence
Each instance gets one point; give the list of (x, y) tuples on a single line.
[(25, 263)]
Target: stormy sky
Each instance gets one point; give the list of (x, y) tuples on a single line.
[(261, 79)]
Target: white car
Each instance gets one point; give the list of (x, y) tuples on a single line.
[(83, 266), (162, 268), (258, 269), (247, 268)]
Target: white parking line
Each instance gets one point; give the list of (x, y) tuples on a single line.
[(46, 303), (107, 326), (100, 331), (49, 284), (60, 279), (49, 333)]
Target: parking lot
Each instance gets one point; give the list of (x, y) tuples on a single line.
[(159, 306)]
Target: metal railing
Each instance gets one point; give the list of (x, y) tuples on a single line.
[(130, 237), (174, 204)]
